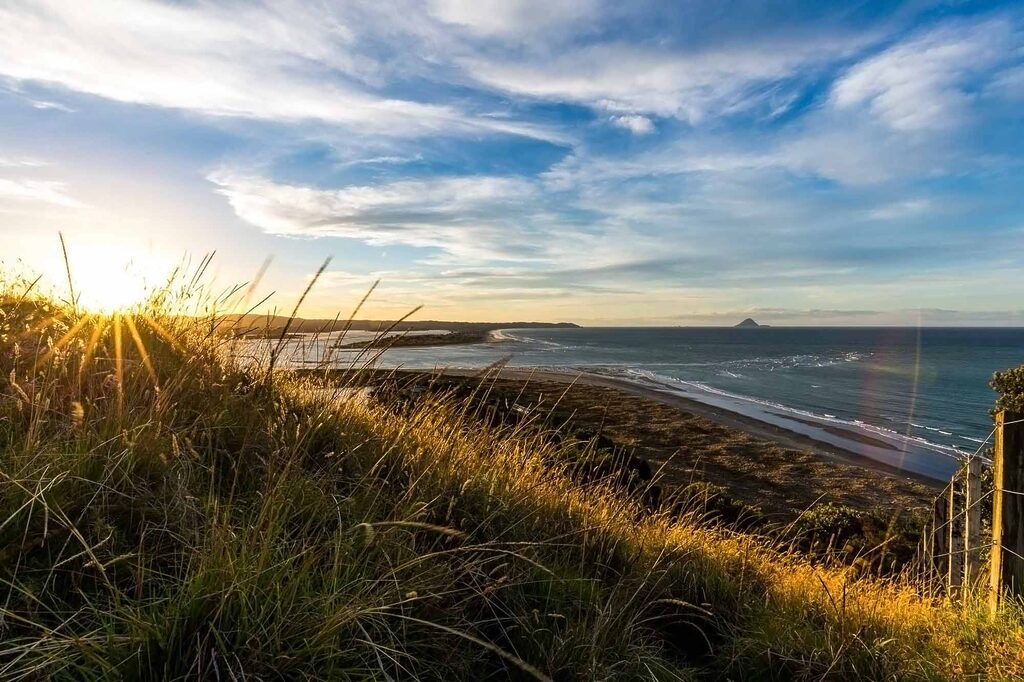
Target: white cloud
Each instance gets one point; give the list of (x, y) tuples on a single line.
[(519, 19), (386, 159), (861, 152), (901, 209), (638, 125), (632, 79), (1009, 83), (38, 191), (46, 104), (924, 83), (7, 162), (581, 169), (480, 217), (290, 62)]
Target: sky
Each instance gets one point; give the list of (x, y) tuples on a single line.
[(663, 163)]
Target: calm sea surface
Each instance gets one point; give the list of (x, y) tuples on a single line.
[(927, 386)]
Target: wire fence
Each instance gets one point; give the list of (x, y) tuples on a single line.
[(953, 544)]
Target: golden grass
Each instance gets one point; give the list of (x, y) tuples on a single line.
[(794, 606), (167, 512)]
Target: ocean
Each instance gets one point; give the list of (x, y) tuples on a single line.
[(921, 393)]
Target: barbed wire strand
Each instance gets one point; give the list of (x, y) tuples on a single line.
[(1006, 549), (923, 554), (1013, 492)]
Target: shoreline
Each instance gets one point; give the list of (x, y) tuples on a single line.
[(904, 454), (778, 473), (832, 442)]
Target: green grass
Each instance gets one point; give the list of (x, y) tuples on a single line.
[(167, 512)]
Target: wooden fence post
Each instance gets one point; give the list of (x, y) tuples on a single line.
[(940, 539), (1007, 576), (924, 555), (955, 574), (972, 535)]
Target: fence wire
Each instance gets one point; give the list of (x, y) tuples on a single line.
[(933, 563)]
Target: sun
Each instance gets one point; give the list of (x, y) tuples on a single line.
[(109, 278), (105, 291)]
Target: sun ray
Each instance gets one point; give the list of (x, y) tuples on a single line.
[(118, 362), (64, 340), (39, 326), (90, 346), (141, 347), (162, 332)]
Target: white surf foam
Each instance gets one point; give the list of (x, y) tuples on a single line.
[(907, 452)]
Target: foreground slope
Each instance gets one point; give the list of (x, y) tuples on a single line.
[(169, 513)]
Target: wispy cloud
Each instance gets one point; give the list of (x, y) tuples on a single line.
[(43, 104), (638, 125), (477, 217), (37, 191), (286, 62), (680, 83), (520, 20), (928, 82), (23, 162)]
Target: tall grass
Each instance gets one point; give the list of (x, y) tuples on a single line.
[(168, 512)]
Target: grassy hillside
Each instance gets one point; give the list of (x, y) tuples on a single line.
[(168, 514)]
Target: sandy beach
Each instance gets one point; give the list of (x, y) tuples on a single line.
[(778, 470), (874, 449)]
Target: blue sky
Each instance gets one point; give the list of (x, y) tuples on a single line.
[(603, 162)]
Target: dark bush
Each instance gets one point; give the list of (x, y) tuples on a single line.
[(1010, 386)]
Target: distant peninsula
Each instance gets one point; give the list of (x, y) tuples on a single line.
[(750, 324), (273, 325), (421, 340)]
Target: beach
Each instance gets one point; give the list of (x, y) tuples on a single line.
[(867, 417), (915, 401), (780, 471), (871, 446)]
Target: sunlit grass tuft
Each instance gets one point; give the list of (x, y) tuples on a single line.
[(170, 512)]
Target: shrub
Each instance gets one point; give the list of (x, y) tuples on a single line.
[(1010, 386)]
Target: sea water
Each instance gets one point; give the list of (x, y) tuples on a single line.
[(922, 391)]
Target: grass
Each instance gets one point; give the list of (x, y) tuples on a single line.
[(170, 512)]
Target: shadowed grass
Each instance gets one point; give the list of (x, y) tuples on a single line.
[(167, 512)]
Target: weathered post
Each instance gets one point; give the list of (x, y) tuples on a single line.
[(940, 539), (924, 555), (972, 527), (955, 529), (1007, 576)]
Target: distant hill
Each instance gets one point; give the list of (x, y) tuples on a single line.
[(750, 323), (262, 325)]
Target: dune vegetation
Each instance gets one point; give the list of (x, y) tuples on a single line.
[(170, 511)]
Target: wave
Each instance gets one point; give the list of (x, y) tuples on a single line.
[(505, 335), (695, 390), (736, 368), (500, 335), (773, 363), (935, 429)]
